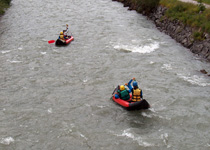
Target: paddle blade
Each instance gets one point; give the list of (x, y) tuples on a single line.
[(51, 41)]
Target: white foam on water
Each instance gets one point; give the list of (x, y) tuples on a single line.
[(167, 66), (88, 105), (154, 116), (49, 110), (138, 49), (164, 137), (146, 115), (20, 48), (101, 106), (195, 80), (14, 61), (68, 64), (85, 80), (151, 62), (83, 136), (7, 140), (43, 53), (127, 133), (6, 51)]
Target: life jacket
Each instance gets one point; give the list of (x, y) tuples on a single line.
[(124, 95), (61, 37), (136, 95)]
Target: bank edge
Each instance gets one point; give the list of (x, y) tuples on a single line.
[(193, 38), (4, 4)]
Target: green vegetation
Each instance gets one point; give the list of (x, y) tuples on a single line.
[(196, 16), (4, 4), (147, 5), (141, 6)]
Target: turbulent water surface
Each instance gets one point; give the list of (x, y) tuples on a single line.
[(58, 98)]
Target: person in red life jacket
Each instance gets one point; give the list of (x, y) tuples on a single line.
[(137, 94), (123, 93)]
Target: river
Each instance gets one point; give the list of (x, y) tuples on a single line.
[(58, 98)]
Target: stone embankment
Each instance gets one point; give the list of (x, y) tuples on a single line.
[(177, 30), (181, 33)]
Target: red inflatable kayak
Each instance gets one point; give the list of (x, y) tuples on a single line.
[(60, 42), (143, 104)]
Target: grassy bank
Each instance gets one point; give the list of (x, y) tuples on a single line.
[(191, 15), (196, 16), (3, 5)]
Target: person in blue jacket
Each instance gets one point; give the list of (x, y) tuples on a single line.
[(137, 94), (123, 93)]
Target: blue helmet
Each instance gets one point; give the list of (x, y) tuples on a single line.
[(135, 83)]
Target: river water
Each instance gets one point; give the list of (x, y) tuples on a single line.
[(58, 98)]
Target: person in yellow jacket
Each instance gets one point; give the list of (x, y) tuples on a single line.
[(62, 37), (137, 94)]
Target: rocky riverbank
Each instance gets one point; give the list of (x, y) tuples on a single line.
[(177, 30), (181, 33), (4, 4)]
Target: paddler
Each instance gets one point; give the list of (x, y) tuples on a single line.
[(61, 36), (66, 33), (123, 93), (136, 91)]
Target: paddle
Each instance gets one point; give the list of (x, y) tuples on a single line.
[(51, 41), (116, 89)]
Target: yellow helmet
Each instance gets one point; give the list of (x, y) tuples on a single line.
[(122, 87), (61, 33)]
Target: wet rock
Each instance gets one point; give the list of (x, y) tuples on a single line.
[(203, 71), (204, 52), (178, 29)]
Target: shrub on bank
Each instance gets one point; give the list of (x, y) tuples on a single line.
[(141, 6), (190, 14), (3, 5), (147, 6)]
